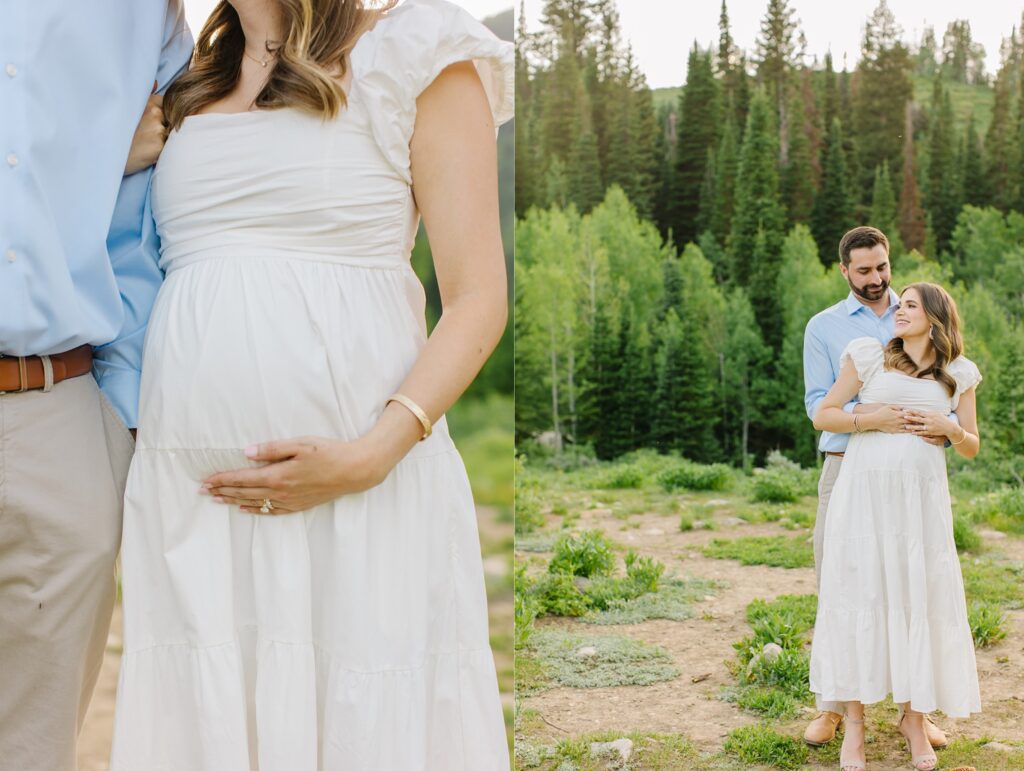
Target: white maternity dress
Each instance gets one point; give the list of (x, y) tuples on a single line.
[(892, 618), (353, 636)]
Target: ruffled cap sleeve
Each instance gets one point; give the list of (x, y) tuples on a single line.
[(407, 50), (867, 356), (966, 374)]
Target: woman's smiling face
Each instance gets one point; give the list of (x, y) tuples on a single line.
[(911, 319)]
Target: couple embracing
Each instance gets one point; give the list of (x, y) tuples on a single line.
[(889, 387), (303, 588)]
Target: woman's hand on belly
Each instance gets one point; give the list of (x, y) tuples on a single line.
[(300, 474), (933, 427)]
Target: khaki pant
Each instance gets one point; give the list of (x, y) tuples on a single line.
[(829, 472), (64, 457)]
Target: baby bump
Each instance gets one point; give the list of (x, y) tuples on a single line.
[(895, 452), (242, 353)]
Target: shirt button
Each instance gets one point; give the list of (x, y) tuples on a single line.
[(11, 255), (12, 160), (11, 70)]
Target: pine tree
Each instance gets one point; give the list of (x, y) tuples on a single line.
[(925, 63), (727, 162), (944, 192), (626, 423), (912, 223), (833, 211), (757, 193), (829, 94), (1001, 147), (745, 359), (797, 176), (708, 195), (884, 214), (672, 288), (603, 378), (776, 53), (697, 131), (685, 395), (883, 89), (975, 183), (585, 187), (562, 106), (526, 160)]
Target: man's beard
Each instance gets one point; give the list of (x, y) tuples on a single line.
[(871, 292)]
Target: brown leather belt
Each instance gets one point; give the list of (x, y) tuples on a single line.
[(836, 454), (24, 373)]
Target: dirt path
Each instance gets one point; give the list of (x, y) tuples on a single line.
[(701, 646), (97, 731)]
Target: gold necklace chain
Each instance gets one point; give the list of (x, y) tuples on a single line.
[(262, 62)]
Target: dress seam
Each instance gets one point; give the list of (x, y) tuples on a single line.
[(234, 644)]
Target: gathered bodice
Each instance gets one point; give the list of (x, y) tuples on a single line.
[(287, 183), (281, 183)]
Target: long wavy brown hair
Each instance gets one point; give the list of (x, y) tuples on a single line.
[(946, 338), (305, 73)]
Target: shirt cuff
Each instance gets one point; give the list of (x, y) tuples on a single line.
[(121, 388)]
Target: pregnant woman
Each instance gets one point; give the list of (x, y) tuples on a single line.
[(303, 587), (892, 617)]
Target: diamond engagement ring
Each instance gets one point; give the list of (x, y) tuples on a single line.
[(267, 506)]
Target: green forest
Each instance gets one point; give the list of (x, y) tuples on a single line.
[(672, 245)]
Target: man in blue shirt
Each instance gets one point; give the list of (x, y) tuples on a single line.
[(868, 311), (78, 276)]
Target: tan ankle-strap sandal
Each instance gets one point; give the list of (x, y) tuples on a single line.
[(852, 765), (918, 761)]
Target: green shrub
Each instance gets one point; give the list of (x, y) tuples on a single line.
[(525, 613), (986, 622), (789, 672), (558, 595), (623, 478), (1003, 509), (759, 745), (686, 522), (694, 476), (673, 601), (796, 610), (770, 702), (776, 486), (589, 554), (963, 533), (604, 591), (528, 516), (644, 571)]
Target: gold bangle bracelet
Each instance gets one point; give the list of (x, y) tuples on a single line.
[(962, 438), (415, 409)]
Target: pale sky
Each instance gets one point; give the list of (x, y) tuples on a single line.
[(662, 33), (196, 11)]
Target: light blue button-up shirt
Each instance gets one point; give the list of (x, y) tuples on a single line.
[(825, 338), (78, 247)]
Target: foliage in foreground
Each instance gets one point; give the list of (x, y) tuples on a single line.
[(760, 745), (986, 622), (775, 551), (594, 661), (774, 686), (651, 752)]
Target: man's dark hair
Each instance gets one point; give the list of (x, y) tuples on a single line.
[(858, 238)]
